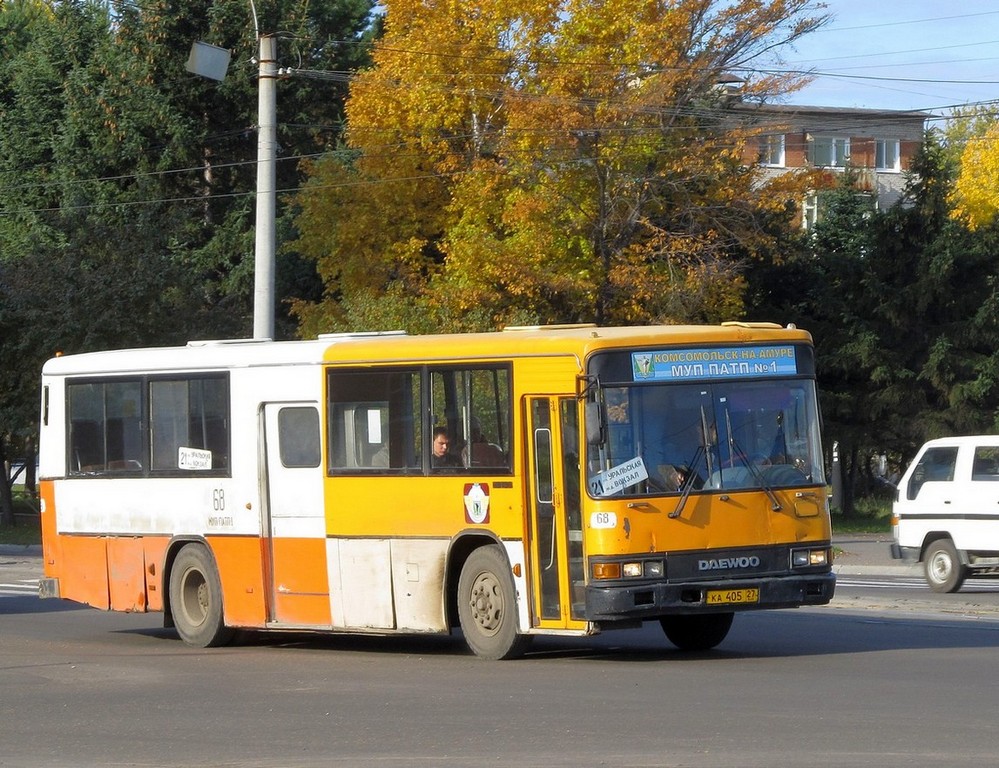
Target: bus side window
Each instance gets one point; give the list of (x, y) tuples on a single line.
[(374, 420), (474, 404), (189, 414), (86, 446), (105, 426)]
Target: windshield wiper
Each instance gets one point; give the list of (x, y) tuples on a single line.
[(688, 483), (735, 450), (689, 479), (775, 504)]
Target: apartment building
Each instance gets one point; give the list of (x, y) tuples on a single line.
[(878, 145)]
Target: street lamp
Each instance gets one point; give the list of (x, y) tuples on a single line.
[(212, 62), (265, 247)]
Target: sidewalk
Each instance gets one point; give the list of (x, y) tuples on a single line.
[(867, 554), (21, 550)]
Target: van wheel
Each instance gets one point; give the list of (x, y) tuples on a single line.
[(487, 606), (196, 599), (944, 571), (699, 632)]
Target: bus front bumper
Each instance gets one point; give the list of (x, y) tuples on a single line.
[(48, 588), (650, 600)]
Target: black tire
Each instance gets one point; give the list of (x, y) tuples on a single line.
[(943, 568), (487, 606), (196, 599), (697, 632)]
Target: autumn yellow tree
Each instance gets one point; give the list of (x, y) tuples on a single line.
[(529, 161), (976, 191)]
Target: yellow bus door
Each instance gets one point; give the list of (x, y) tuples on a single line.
[(556, 534)]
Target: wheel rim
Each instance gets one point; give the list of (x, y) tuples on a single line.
[(486, 603), (194, 597), (940, 567)]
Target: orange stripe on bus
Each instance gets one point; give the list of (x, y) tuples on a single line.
[(126, 574), (82, 568), (241, 571), (301, 585), (50, 541)]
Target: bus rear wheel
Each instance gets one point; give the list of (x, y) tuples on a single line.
[(196, 599), (487, 606), (699, 632)]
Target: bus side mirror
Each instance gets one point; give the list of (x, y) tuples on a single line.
[(594, 415)]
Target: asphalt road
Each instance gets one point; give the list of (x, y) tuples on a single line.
[(852, 684)]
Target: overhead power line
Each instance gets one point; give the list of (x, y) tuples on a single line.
[(902, 22)]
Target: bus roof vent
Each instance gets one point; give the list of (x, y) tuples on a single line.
[(217, 342), (748, 324), (555, 327), (359, 334)]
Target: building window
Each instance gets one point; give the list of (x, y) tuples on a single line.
[(828, 152), (816, 204), (886, 155), (810, 211), (772, 150)]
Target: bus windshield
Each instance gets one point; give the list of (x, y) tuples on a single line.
[(733, 435)]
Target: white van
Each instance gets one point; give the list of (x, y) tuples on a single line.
[(946, 510)]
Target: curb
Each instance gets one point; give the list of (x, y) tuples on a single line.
[(878, 570)]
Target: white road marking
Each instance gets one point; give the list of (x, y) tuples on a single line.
[(22, 587)]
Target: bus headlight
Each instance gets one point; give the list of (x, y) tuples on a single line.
[(649, 569), (632, 569), (806, 558)]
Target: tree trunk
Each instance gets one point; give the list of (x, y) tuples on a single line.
[(6, 497), (850, 481), (30, 475)]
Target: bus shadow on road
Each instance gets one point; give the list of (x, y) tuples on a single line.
[(753, 636), (296, 640), (28, 603)]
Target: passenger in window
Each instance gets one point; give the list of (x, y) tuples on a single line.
[(482, 452), (442, 457), (380, 458), (671, 477)]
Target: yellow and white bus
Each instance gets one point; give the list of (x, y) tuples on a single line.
[(589, 478)]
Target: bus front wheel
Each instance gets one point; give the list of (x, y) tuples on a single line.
[(698, 632), (196, 599), (487, 606)]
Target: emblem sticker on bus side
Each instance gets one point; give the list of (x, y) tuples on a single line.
[(476, 503)]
